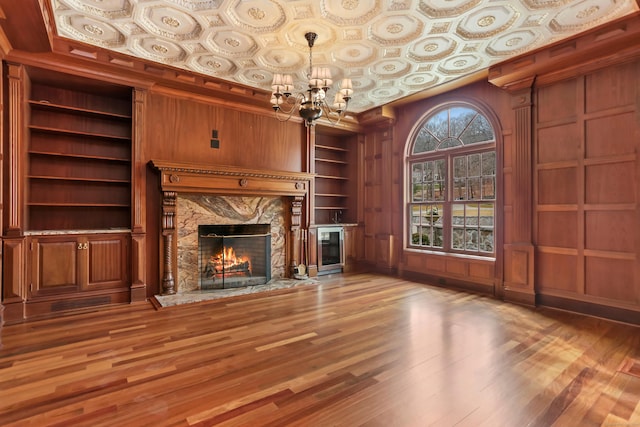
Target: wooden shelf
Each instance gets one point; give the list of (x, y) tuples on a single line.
[(77, 132), (340, 162), (46, 105), (79, 156), (331, 148), (62, 204), (343, 178), (78, 179), (332, 208), (331, 195)]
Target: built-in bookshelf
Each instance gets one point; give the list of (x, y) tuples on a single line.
[(79, 155), (335, 166)]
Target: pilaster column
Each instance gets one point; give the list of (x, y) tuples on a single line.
[(519, 253)]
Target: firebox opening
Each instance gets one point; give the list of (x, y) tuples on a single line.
[(233, 256)]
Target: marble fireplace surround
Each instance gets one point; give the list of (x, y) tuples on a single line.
[(191, 181)]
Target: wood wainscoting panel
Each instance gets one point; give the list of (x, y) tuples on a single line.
[(556, 271)]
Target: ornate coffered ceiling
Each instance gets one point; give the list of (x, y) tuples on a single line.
[(389, 48)]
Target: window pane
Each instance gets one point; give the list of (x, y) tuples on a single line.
[(437, 237), (460, 167), (425, 142), (438, 125), (457, 215), (415, 214), (473, 191), (460, 118), (489, 163), (457, 238), (416, 172), (489, 188), (417, 192), (450, 143), (471, 240), (486, 215), (486, 240), (471, 215), (474, 164), (460, 189), (479, 130)]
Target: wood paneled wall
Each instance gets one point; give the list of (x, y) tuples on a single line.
[(587, 188), (179, 129)]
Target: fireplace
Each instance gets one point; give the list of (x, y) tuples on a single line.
[(233, 256), (221, 194)]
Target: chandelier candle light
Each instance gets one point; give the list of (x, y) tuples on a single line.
[(312, 104)]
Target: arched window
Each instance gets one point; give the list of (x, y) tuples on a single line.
[(452, 182)]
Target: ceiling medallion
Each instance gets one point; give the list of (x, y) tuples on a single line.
[(486, 21), (583, 14), (257, 14), (514, 41), (170, 21), (311, 104), (350, 4), (395, 28), (159, 49), (93, 29)]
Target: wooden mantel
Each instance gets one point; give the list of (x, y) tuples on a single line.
[(226, 180)]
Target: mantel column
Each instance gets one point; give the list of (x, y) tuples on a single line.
[(295, 239), (169, 240)]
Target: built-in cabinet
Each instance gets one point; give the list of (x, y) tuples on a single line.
[(71, 191), (69, 268)]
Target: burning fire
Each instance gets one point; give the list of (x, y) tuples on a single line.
[(228, 262)]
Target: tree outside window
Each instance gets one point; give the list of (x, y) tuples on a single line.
[(453, 183)]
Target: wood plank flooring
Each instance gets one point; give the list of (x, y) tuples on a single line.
[(353, 350)]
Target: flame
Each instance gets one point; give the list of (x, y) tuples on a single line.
[(228, 259)]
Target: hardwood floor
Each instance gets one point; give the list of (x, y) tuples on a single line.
[(353, 350)]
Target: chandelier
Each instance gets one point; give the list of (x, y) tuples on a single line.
[(312, 103)]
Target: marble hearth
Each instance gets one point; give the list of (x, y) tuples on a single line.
[(201, 209)]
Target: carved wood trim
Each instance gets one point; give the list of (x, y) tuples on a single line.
[(17, 79)]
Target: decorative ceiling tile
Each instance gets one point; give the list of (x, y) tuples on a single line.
[(396, 30), (446, 8), (169, 22), (261, 16), (350, 12), (159, 50), (583, 14), (213, 65), (390, 68), (231, 43), (487, 22), (91, 31), (460, 64), (107, 9), (197, 5), (513, 43), (432, 48), (389, 48)]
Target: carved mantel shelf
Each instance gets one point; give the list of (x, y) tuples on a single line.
[(229, 180), (225, 180)]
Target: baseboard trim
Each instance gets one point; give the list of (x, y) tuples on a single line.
[(591, 309)]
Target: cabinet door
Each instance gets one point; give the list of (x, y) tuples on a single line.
[(56, 265), (107, 258)]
